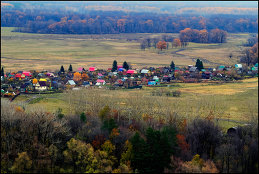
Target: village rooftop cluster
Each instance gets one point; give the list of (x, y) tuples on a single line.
[(31, 82)]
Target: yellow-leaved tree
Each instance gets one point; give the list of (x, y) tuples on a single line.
[(22, 164)]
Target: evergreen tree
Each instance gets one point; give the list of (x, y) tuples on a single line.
[(138, 149), (2, 71), (114, 66), (62, 69), (125, 65), (199, 64), (156, 150), (172, 65), (83, 117), (70, 69)]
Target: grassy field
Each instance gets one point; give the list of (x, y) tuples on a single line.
[(21, 51), (231, 103)]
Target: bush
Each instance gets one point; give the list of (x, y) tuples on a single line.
[(176, 93)]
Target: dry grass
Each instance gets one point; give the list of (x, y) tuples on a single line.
[(48, 52), (233, 101), (224, 89)]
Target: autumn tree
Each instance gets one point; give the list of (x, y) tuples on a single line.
[(22, 163), (114, 66), (80, 155), (176, 43), (84, 76), (53, 153), (217, 36), (126, 155), (77, 76), (203, 36), (203, 137), (254, 53), (196, 165), (161, 45)]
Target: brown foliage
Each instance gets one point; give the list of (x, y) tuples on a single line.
[(181, 141), (161, 45), (176, 43)]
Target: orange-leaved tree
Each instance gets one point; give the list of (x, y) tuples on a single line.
[(77, 76), (161, 45)]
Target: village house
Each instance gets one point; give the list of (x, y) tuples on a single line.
[(41, 86)]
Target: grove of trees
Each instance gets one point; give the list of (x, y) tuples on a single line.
[(203, 36)]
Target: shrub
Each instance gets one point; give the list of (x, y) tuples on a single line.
[(176, 93)]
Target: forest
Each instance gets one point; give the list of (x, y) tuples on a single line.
[(112, 22), (101, 137)]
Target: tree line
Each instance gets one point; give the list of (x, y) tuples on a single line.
[(97, 22)]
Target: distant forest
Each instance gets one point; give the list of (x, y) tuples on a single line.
[(100, 22)]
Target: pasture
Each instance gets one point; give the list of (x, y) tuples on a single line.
[(25, 51)]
